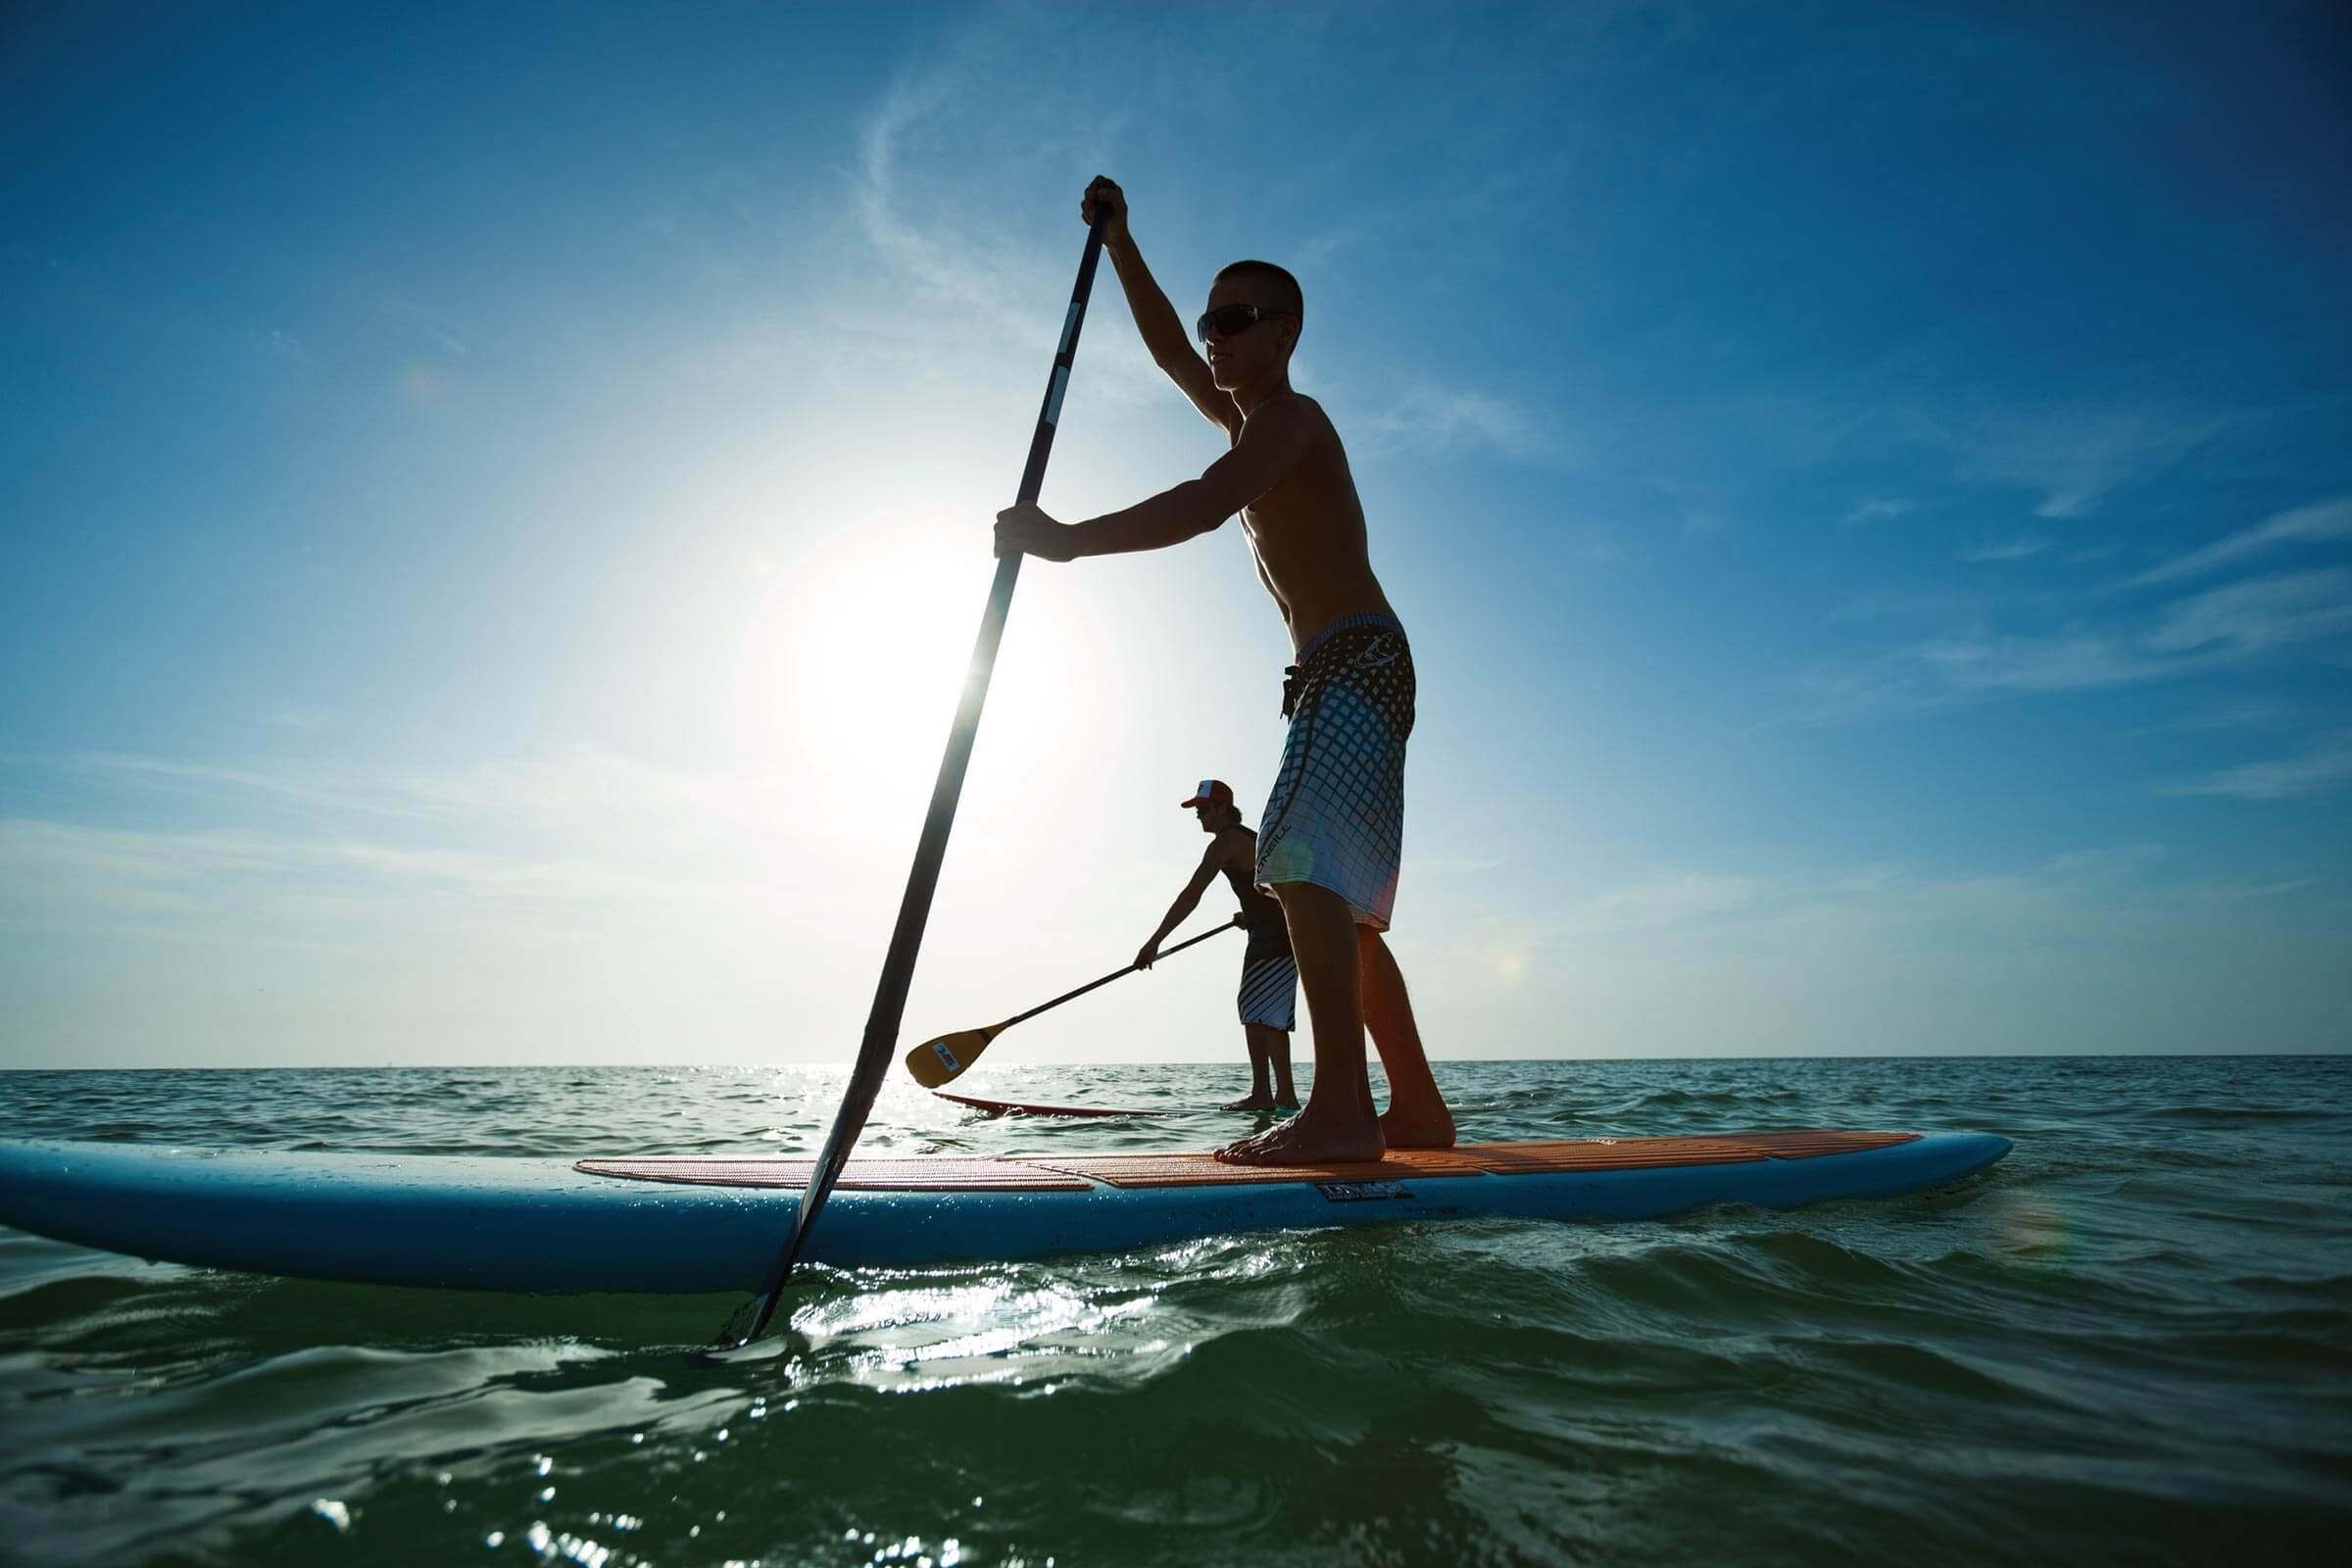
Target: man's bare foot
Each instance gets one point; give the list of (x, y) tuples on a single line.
[(1254, 1102), (1417, 1127), (1306, 1140), (1287, 1102)]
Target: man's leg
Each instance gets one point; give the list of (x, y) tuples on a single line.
[(1278, 1055), (1338, 1122), (1261, 1094), (1270, 1084), (1416, 1117)]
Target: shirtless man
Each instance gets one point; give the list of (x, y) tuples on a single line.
[(1269, 994), (1334, 828)]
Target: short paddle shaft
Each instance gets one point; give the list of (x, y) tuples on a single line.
[(914, 910), (993, 1029)]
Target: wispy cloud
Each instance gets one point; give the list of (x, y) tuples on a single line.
[(298, 719), (2234, 890), (965, 282), (2325, 766), (2103, 863), (2243, 714), (2321, 522), (1670, 899), (1946, 671), (259, 789), (962, 282), (435, 327), (2007, 550), (1436, 419), (2075, 457), (2218, 628), (68, 866), (893, 214), (1877, 509), (2097, 950), (1881, 905), (278, 851), (2258, 614), (1597, 548), (563, 793), (2071, 663)]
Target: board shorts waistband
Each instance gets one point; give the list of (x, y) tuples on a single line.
[(1370, 617), (1318, 650)]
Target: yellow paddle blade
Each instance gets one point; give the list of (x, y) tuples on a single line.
[(936, 1061)]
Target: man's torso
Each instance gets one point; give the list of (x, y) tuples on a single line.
[(1261, 913), (1306, 535)]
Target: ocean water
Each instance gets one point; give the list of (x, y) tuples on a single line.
[(2131, 1342)]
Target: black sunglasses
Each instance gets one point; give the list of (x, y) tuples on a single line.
[(1231, 320)]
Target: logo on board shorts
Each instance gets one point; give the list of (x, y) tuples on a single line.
[(1381, 650)]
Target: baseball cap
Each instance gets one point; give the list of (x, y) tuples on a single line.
[(1211, 792)]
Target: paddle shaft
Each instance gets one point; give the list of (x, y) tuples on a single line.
[(874, 1052), (1092, 985)]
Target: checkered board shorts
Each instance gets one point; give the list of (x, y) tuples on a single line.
[(1270, 992), (1337, 816)]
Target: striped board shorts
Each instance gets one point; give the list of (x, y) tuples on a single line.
[(1337, 816), (1270, 992)]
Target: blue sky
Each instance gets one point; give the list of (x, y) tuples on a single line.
[(496, 501)]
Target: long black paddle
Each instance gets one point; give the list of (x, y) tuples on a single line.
[(907, 939), (950, 1056)]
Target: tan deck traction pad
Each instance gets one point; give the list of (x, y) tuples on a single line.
[(923, 1173), (1071, 1173), (1549, 1157), (1647, 1154), (1206, 1170), (1806, 1143), (1611, 1153)]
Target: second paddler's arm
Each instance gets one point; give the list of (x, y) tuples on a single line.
[(1186, 902)]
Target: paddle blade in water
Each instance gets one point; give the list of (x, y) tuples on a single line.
[(942, 1061)]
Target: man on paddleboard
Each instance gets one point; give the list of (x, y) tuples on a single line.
[(1269, 992), (1334, 828)]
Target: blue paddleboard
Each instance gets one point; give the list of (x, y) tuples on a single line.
[(705, 1224)]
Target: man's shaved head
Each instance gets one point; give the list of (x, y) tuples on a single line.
[(1273, 285)]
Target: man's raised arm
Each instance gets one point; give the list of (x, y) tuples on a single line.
[(1163, 329)]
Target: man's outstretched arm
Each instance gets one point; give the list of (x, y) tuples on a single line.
[(1161, 329), (1271, 442), (1186, 902)]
